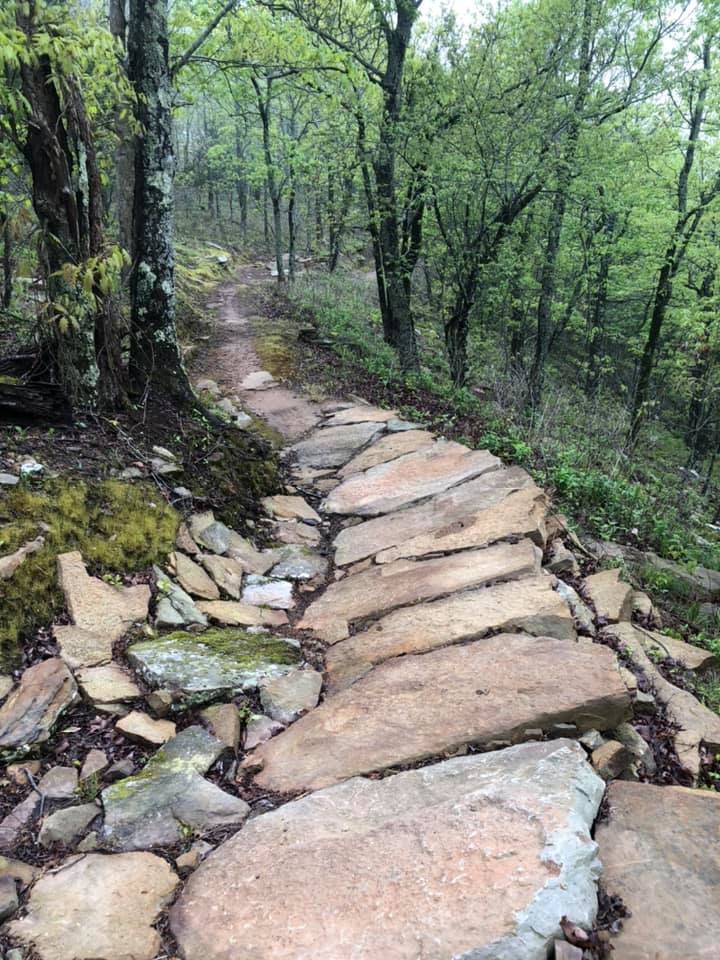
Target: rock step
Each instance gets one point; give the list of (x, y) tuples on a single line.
[(480, 499), (381, 589), (529, 605), (477, 856), (413, 708)]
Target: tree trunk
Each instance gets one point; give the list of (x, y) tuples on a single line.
[(7, 261), (125, 149), (67, 199), (263, 101), (155, 357)]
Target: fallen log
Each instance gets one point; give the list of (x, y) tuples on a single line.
[(32, 402)]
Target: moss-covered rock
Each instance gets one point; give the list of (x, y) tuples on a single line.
[(216, 663), (118, 527)]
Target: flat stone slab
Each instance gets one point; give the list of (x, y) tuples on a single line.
[(611, 596), (529, 605), (226, 572), (474, 857), (97, 606), (258, 380), (193, 578), (695, 659), (439, 515), (360, 414), (416, 707), (286, 507), (175, 608), (154, 807), (237, 613), (334, 446), (107, 684), (388, 448), (300, 563), (98, 907), (216, 662), (81, 648), (268, 592), (32, 709), (660, 854), (285, 698), (380, 589), (406, 479)]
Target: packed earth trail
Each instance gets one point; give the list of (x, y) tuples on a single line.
[(409, 730)]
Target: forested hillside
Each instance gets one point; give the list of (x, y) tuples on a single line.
[(359, 479)]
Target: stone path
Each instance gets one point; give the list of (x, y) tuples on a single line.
[(386, 736)]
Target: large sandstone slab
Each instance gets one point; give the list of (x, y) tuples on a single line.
[(415, 476), (660, 854), (361, 413), (529, 605), (98, 907), (520, 514), (611, 596), (334, 446), (380, 589), (388, 448), (97, 606), (32, 709), (474, 857), (416, 707), (438, 514)]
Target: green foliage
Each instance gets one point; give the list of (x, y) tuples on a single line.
[(118, 527)]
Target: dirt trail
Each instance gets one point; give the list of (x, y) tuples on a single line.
[(232, 355)]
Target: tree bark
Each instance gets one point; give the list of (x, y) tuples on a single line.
[(7, 261), (155, 357)]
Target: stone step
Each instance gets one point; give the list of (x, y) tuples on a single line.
[(660, 853), (438, 515), (422, 706), (409, 478), (529, 605), (477, 856), (387, 448), (381, 589), (334, 446)]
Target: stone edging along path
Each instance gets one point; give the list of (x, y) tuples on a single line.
[(432, 793)]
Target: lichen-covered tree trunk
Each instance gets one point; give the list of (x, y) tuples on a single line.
[(155, 358), (79, 329)]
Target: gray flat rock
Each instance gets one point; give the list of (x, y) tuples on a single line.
[(477, 857), (268, 592), (529, 605), (439, 515), (300, 563), (381, 589), (175, 608), (285, 698), (416, 707), (334, 446), (219, 661), (66, 826), (409, 478), (155, 806)]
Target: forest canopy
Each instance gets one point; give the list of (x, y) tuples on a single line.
[(518, 208)]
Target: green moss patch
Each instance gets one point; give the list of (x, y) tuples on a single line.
[(118, 527)]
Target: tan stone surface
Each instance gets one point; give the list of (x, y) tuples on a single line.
[(454, 505), (107, 684), (31, 710), (477, 856), (520, 514), (10, 563), (80, 648), (223, 721), (360, 414), (139, 726), (660, 853), (381, 589), (237, 613), (226, 572), (529, 605), (193, 578), (416, 707), (98, 907), (286, 507), (292, 531), (611, 596), (402, 481), (95, 605), (388, 448)]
